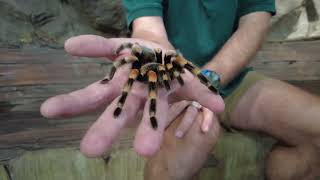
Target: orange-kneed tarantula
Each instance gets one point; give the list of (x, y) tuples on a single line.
[(148, 66)]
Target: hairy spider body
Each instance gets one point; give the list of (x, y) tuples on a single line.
[(148, 66)]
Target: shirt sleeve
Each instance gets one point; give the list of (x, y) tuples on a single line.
[(249, 6), (139, 8)]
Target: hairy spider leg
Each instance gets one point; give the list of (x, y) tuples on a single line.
[(196, 72), (158, 53), (123, 46), (116, 65), (171, 69), (168, 64), (134, 73), (164, 77), (152, 80), (177, 70), (136, 49)]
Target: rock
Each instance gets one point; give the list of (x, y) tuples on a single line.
[(48, 23), (106, 15), (296, 20)]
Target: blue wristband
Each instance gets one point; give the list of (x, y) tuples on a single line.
[(213, 77), (206, 72)]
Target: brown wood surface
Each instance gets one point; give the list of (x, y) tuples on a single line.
[(28, 77)]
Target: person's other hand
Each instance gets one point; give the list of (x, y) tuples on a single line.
[(192, 109), (106, 129), (182, 158)]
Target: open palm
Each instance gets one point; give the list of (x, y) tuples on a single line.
[(106, 129)]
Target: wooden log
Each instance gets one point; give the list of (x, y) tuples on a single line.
[(296, 62), (45, 67), (21, 131), (298, 51)]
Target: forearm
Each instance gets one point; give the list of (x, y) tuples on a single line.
[(241, 47), (151, 29)]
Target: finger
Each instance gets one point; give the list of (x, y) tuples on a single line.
[(187, 120), (106, 129), (195, 132), (197, 138), (97, 46), (209, 100), (91, 46), (207, 120), (78, 102), (85, 100), (148, 140), (176, 109)]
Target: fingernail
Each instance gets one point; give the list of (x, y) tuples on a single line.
[(179, 134)]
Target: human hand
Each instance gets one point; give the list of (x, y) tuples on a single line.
[(192, 110), (182, 158), (106, 129)]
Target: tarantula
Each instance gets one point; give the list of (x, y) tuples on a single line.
[(148, 66)]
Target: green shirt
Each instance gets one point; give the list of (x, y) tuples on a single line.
[(197, 28)]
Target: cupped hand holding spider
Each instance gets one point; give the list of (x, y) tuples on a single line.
[(124, 99)]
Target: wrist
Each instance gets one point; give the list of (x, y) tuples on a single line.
[(213, 66)]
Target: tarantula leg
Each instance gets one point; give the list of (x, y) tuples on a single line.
[(134, 73), (173, 72), (164, 77), (116, 65), (177, 71), (136, 50), (176, 74), (152, 80), (123, 46), (196, 72), (168, 62), (158, 53)]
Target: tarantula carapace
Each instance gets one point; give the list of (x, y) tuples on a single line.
[(148, 66)]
